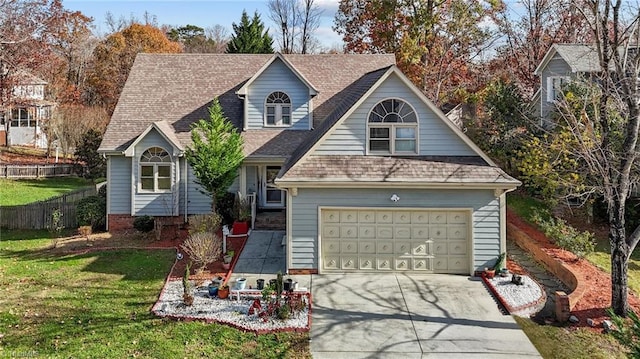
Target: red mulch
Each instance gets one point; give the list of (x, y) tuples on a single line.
[(597, 297)]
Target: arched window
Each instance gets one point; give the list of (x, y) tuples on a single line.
[(392, 128), (155, 170), (278, 109)]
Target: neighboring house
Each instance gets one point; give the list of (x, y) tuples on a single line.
[(561, 64), (370, 174), (22, 122)]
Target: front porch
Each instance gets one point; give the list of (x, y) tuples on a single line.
[(268, 202)]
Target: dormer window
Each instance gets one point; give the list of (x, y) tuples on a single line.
[(555, 85), (392, 128), (155, 170), (278, 109)]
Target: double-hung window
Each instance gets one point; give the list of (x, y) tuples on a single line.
[(392, 128), (155, 170), (555, 86), (278, 109)]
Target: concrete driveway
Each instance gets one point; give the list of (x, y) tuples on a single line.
[(410, 316)]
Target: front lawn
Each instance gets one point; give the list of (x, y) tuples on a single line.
[(98, 305), (15, 192)]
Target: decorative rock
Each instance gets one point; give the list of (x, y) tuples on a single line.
[(607, 325), (591, 322), (574, 319)]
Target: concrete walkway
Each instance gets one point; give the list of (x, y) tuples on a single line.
[(393, 315)]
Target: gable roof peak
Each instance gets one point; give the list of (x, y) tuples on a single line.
[(278, 56)]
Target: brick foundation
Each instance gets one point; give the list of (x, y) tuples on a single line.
[(302, 271), (123, 222)]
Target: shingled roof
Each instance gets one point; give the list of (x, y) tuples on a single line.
[(579, 57), (178, 88), (418, 169)]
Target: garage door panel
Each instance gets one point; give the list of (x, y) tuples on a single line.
[(457, 218), (420, 232), (403, 232), (397, 240), (330, 216), (330, 231), (349, 231), (348, 247), (384, 217), (367, 232), (457, 232), (331, 247), (422, 264), (367, 247), (421, 217), (402, 264), (457, 248), (384, 247), (422, 248), (367, 262), (384, 232), (384, 263), (349, 262), (402, 248), (348, 216), (401, 217)]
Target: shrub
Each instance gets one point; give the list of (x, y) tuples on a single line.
[(203, 248), (92, 211), (204, 223), (225, 207), (627, 332), (56, 226), (565, 236), (144, 224)]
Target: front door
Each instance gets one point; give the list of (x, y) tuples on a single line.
[(273, 197)]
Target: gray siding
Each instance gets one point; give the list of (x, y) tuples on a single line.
[(119, 185), (435, 138), (155, 204), (252, 179), (198, 202), (556, 67), (278, 77), (486, 216)]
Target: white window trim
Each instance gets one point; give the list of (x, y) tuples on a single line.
[(550, 87), (155, 174), (392, 131), (278, 111)]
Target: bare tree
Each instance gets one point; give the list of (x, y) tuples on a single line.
[(297, 20), (603, 124), (220, 35)]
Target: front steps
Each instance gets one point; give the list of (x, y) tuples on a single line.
[(271, 220)]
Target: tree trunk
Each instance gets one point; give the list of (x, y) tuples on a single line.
[(619, 261)]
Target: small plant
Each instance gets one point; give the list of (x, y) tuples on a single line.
[(205, 223), (499, 262), (283, 312), (56, 227), (243, 209), (187, 296), (627, 332), (565, 236), (203, 248), (267, 292), (85, 231), (144, 224), (279, 284)]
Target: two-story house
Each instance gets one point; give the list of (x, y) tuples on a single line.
[(370, 174), (22, 122), (561, 64)]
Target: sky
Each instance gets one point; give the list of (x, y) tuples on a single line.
[(202, 13)]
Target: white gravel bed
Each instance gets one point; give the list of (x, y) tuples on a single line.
[(222, 310), (522, 298)]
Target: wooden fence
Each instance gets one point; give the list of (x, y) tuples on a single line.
[(37, 171), (38, 215)]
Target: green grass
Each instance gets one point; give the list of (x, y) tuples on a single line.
[(97, 305), (19, 192), (560, 342), (525, 206)]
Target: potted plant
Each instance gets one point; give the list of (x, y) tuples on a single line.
[(491, 272), (213, 289), (223, 292), (228, 256), (242, 216)]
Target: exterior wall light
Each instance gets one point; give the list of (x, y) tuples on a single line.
[(394, 197)]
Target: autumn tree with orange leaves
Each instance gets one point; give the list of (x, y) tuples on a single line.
[(435, 41), (114, 57)]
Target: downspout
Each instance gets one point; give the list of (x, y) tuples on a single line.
[(186, 189)]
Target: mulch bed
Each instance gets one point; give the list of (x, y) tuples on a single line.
[(597, 298)]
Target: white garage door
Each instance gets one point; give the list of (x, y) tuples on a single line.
[(369, 240)]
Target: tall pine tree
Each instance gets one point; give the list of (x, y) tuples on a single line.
[(250, 37)]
